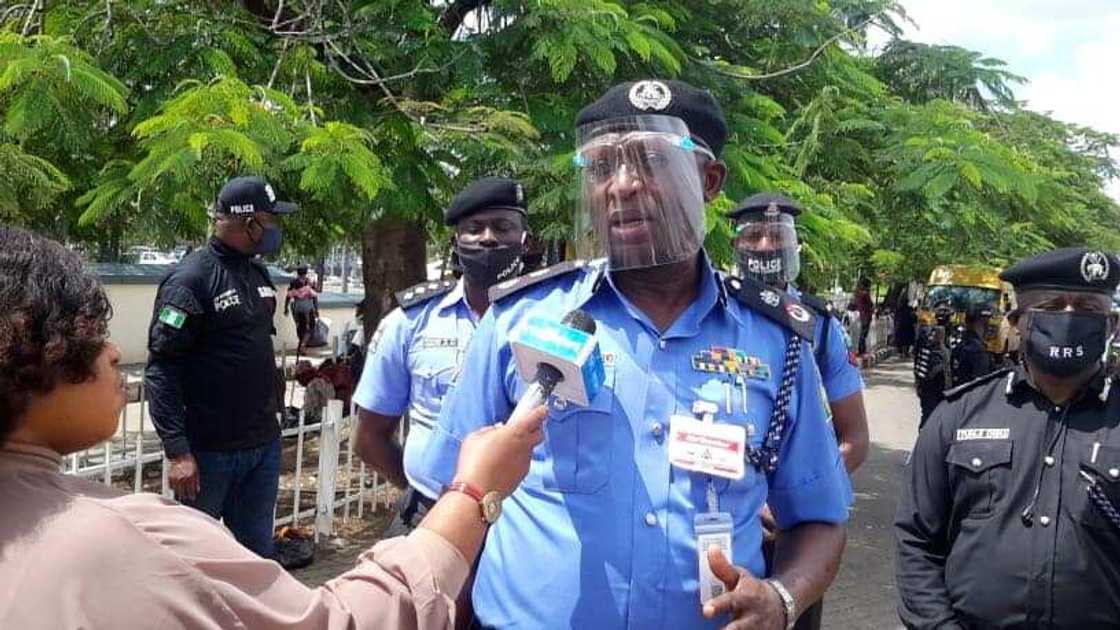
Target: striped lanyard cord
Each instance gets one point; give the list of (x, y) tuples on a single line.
[(765, 458)]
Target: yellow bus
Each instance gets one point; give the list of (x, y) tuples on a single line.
[(962, 286)]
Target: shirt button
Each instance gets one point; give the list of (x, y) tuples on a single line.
[(657, 429), (1048, 460), (559, 404), (662, 344), (1045, 520), (1114, 472), (651, 519), (976, 462)]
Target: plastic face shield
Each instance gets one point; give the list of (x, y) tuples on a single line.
[(766, 247), (642, 198)]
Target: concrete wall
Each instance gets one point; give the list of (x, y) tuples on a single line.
[(132, 313)]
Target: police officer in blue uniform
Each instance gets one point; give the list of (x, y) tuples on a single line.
[(606, 532), (1009, 516), (768, 251), (418, 348)]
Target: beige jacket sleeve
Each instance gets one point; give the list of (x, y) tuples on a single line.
[(406, 583)]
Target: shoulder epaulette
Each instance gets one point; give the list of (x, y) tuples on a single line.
[(976, 382), (822, 307), (423, 292), (513, 285), (776, 305)]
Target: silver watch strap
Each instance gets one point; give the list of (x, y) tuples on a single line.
[(787, 602)]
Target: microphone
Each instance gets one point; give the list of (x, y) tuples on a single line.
[(559, 358)]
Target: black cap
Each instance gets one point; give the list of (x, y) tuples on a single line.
[(1066, 269), (696, 107), (246, 195), (760, 202), (488, 193)]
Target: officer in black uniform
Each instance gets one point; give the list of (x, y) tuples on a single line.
[(211, 375), (970, 358), (1009, 511), (932, 361)]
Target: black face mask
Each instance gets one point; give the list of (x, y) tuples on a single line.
[(1063, 343), (487, 266), (764, 266)]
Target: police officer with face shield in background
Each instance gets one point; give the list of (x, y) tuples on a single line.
[(211, 374), (418, 349), (1009, 516), (768, 252)]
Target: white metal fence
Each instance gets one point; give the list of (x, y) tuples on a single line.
[(322, 482)]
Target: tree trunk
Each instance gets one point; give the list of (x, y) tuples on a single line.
[(394, 257)]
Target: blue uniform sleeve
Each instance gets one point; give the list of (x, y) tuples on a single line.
[(841, 378), (478, 398), (811, 483), (386, 380)]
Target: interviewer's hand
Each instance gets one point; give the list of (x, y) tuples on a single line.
[(496, 458)]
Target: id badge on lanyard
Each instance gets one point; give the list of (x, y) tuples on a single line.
[(706, 447), (713, 529)]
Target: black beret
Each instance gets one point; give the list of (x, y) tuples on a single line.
[(697, 108), (1067, 269), (486, 194), (758, 203)]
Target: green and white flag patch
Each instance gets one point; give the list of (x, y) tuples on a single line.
[(172, 316)]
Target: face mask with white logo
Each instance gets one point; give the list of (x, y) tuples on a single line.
[(1064, 343)]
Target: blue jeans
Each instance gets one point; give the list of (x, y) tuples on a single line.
[(239, 487)]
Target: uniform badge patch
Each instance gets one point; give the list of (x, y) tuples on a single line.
[(650, 95), (1094, 267), (438, 342), (770, 297), (173, 317), (266, 292), (721, 360), (964, 435), (226, 299)]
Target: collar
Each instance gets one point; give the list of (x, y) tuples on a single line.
[(710, 292), (23, 457), (453, 297), (1019, 381), (223, 251)]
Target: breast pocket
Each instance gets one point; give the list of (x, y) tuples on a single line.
[(576, 454), (1105, 470), (433, 379), (979, 475)]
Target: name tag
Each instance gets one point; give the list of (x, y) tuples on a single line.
[(707, 447), (964, 435), (266, 292), (438, 342)]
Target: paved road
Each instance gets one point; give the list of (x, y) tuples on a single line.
[(863, 596)]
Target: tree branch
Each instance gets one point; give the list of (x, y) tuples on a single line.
[(454, 15), (794, 68)]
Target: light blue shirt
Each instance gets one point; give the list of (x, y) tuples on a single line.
[(840, 376), (412, 360), (600, 533)]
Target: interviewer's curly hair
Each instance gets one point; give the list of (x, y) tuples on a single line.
[(54, 319)]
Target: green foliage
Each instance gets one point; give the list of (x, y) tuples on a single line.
[(119, 121)]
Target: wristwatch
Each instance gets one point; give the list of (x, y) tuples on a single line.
[(489, 503), (787, 602)]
